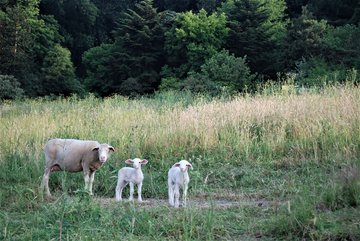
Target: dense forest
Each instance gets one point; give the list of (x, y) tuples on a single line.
[(129, 47)]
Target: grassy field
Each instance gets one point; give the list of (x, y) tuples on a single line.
[(290, 161)]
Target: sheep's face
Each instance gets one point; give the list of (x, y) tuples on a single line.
[(183, 165), (137, 162), (103, 151)]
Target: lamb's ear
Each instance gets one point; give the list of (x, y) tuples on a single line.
[(111, 148), (129, 161), (144, 161), (95, 148), (176, 165), (189, 165)]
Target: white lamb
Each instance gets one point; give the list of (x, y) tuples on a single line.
[(178, 177), (132, 175)]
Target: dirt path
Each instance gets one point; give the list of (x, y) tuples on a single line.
[(200, 202)]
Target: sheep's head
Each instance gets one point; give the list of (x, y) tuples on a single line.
[(183, 165), (136, 162), (103, 151)]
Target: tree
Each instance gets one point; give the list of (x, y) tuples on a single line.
[(77, 21), (343, 43), (336, 12), (26, 38), (136, 56), (177, 5), (108, 13), (192, 39), (305, 38), (59, 74), (250, 34), (277, 22), (100, 75)]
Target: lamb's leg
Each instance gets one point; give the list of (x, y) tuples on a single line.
[(184, 197), (45, 182), (119, 188), (139, 192), (92, 175), (171, 193), (177, 195), (131, 191)]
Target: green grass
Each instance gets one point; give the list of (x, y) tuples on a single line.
[(299, 152)]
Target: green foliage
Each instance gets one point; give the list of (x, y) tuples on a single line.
[(19, 21), (318, 72), (277, 22), (139, 41), (221, 73), (344, 191), (194, 38), (77, 20), (99, 77), (342, 41), (336, 12), (9, 87), (170, 83), (227, 71), (250, 33), (132, 64), (305, 38), (58, 73)]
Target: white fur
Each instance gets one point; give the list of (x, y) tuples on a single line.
[(132, 175), (178, 177), (74, 156)]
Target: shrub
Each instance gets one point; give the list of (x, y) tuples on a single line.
[(317, 72), (10, 87), (223, 72)]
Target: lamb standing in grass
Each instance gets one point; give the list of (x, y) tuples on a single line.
[(132, 175), (178, 177)]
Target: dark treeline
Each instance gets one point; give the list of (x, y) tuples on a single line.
[(129, 47)]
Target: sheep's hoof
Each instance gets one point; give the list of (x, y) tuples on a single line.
[(48, 198)]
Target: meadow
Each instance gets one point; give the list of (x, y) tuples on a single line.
[(292, 158)]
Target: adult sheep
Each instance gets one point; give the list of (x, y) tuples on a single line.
[(74, 156)]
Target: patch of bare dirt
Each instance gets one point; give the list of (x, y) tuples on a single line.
[(198, 202)]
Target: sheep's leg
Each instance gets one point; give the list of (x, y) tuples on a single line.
[(119, 188), (171, 193), (87, 180), (177, 195), (45, 182), (131, 191), (91, 180), (139, 192), (184, 195)]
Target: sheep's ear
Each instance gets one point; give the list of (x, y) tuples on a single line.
[(95, 148), (189, 165), (176, 165), (129, 161), (111, 148), (144, 161)]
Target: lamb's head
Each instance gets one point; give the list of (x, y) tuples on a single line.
[(103, 151), (183, 165), (136, 162)]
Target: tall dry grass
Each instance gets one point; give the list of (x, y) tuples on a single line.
[(296, 127)]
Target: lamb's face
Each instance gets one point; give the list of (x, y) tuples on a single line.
[(136, 162), (183, 165), (103, 152)]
